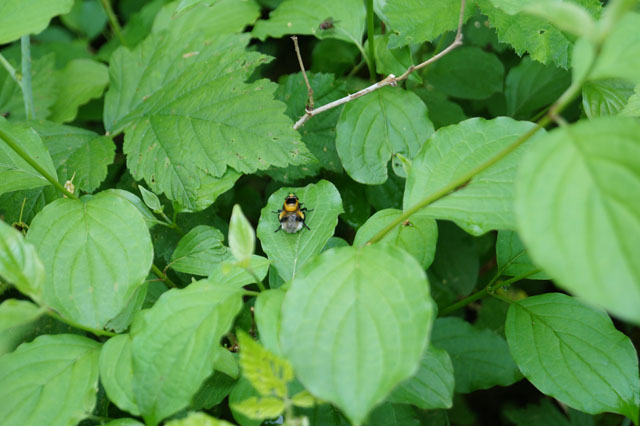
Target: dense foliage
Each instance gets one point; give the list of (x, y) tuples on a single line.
[(463, 228)]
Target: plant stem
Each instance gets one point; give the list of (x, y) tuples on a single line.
[(255, 278), (490, 288), (57, 316), (113, 21), (371, 60), (164, 277), (27, 92), (10, 70), (15, 145), (461, 181), (251, 293)]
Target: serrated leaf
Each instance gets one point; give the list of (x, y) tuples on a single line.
[(86, 280), (79, 82), (374, 128), (116, 373), (352, 308), (267, 373), (305, 17), (605, 97), (175, 343), (431, 387), (233, 274), (575, 354), (78, 153), (485, 203), (564, 15), (36, 374), (242, 237), (198, 419), (199, 251), (470, 347), (14, 314), (260, 407), (577, 211), (512, 255), (289, 252), (413, 23), (19, 263), (15, 172), (632, 107), (22, 17), (241, 392), (268, 314), (193, 122), (417, 236), (531, 85), (468, 73)]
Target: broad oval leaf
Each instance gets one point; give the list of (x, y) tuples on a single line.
[(345, 316), (512, 255), (578, 214), (575, 354), (22, 17), (290, 251), (199, 251), (431, 387), (305, 17), (374, 128), (174, 345), (268, 315), (242, 237), (37, 374), (480, 357), (15, 172), (192, 123), (116, 373), (417, 235), (19, 263), (96, 252), (486, 202)]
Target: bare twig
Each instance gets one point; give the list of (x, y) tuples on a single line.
[(390, 80), (304, 74)]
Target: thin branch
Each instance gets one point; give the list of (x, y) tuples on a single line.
[(113, 21), (27, 92), (10, 70), (304, 74), (390, 80)]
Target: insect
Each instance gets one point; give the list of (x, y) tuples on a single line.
[(327, 24), (292, 215)]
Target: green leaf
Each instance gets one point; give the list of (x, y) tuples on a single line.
[(393, 61), (213, 391), (605, 97), (86, 17), (241, 392), (196, 94), (632, 108), (525, 33), (175, 343), (19, 263), (577, 211), (413, 23), (15, 172), (260, 407), (289, 252), (395, 415), (88, 281), (198, 419), (13, 315), (37, 374), (199, 251), (354, 201), (480, 357), (442, 111), (305, 16), (267, 373), (512, 255), (531, 85), (233, 274), (431, 387), (485, 203), (268, 315), (564, 15), (187, 4), (136, 202), (77, 152), (79, 82), (22, 17), (242, 237), (468, 73), (334, 57), (374, 128), (33, 200), (124, 422), (575, 354), (121, 322), (303, 399), (536, 414), (352, 308), (417, 236), (116, 373), (150, 199)]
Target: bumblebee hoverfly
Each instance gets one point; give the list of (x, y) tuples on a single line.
[(292, 215)]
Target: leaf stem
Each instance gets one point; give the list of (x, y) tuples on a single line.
[(255, 278), (10, 70), (164, 277), (371, 60), (27, 92), (113, 21), (15, 145), (53, 314)]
